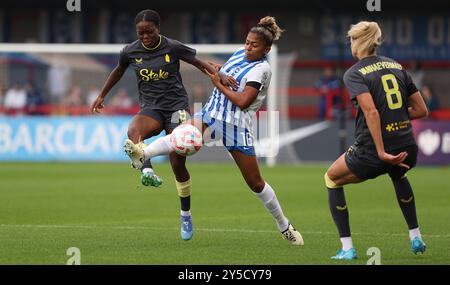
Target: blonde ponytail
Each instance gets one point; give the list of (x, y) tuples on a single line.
[(365, 37)]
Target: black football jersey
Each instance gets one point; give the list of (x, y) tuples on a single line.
[(158, 73), (390, 86)]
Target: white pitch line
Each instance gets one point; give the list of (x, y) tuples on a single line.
[(198, 229)]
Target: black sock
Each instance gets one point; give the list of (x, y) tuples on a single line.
[(185, 203), (405, 199), (147, 164), (339, 211)]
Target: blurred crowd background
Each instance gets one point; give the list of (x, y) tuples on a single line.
[(314, 39), (313, 53)]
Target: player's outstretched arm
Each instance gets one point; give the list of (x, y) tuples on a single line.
[(203, 66), (372, 117), (112, 79), (417, 108), (211, 68), (241, 99)]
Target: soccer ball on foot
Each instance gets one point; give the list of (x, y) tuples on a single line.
[(186, 140)]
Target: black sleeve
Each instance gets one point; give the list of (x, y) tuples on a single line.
[(184, 52), (355, 83), (254, 84), (124, 60), (410, 86)]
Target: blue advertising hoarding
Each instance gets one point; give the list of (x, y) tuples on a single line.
[(98, 138), (404, 37)]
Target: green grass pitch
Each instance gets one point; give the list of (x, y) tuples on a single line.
[(45, 208)]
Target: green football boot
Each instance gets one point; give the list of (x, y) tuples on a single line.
[(151, 179)]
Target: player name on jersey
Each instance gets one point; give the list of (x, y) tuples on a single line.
[(379, 66)]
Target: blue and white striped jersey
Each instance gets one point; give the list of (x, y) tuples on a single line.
[(221, 108)]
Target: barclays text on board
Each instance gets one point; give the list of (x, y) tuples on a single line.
[(66, 139)]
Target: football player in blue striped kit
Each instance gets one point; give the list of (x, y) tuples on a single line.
[(240, 87)]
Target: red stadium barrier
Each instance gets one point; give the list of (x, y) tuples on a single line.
[(441, 114), (311, 111), (303, 111)]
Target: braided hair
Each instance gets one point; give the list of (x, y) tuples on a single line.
[(148, 16)]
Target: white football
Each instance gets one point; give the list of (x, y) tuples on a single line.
[(186, 140)]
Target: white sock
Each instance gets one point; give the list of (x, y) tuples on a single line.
[(270, 201), (159, 147), (346, 243), (185, 213), (414, 233), (147, 170)]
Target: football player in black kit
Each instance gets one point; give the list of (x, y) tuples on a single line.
[(387, 101), (162, 98)]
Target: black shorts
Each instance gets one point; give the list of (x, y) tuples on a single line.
[(365, 164), (168, 119)]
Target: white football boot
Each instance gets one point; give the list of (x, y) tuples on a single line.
[(135, 152), (293, 236)]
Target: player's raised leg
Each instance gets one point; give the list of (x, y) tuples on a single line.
[(338, 175), (160, 146), (248, 166), (141, 128), (163, 146)]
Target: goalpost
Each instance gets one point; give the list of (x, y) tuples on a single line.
[(206, 49)]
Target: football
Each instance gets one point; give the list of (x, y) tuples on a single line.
[(186, 140)]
